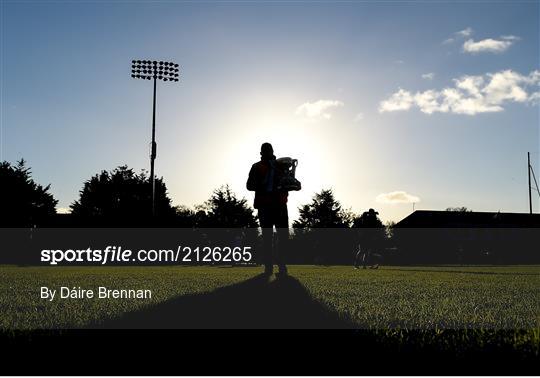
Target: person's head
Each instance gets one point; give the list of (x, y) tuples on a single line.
[(372, 213), (267, 152)]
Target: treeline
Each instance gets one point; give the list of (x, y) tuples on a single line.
[(324, 233), (122, 197), (117, 198)]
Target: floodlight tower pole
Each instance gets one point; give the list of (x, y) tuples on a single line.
[(148, 70), (153, 151)]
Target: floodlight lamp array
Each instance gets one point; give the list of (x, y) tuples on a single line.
[(152, 69)]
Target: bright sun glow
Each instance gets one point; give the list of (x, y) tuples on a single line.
[(290, 139)]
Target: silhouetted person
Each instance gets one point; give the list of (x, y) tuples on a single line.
[(369, 242), (271, 205)]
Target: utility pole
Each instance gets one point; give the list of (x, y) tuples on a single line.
[(530, 187)]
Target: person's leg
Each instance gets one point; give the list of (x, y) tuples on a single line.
[(282, 227), (265, 220), (357, 257), (365, 258), (368, 257)]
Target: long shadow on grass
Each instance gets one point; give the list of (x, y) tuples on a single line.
[(254, 303)]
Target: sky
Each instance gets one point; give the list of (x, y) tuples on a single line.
[(390, 104)]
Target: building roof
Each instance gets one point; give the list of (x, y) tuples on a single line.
[(437, 218)]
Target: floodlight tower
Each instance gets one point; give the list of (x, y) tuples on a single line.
[(157, 70)]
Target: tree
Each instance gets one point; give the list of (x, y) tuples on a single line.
[(185, 217), (462, 209), (226, 220), (122, 194), (321, 233), (225, 210), (389, 228), (24, 202), (324, 211)]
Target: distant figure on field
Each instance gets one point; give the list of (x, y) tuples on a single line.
[(370, 240), (365, 256), (271, 205)]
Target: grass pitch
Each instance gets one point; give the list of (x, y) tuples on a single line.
[(443, 307)]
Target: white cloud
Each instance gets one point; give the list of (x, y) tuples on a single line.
[(428, 101), (534, 98), (397, 196), (401, 100), (510, 38), (318, 109), (470, 94), (488, 45), (448, 41), (459, 34), (428, 76), (465, 32), (359, 117), (507, 86), (485, 45), (63, 210)]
